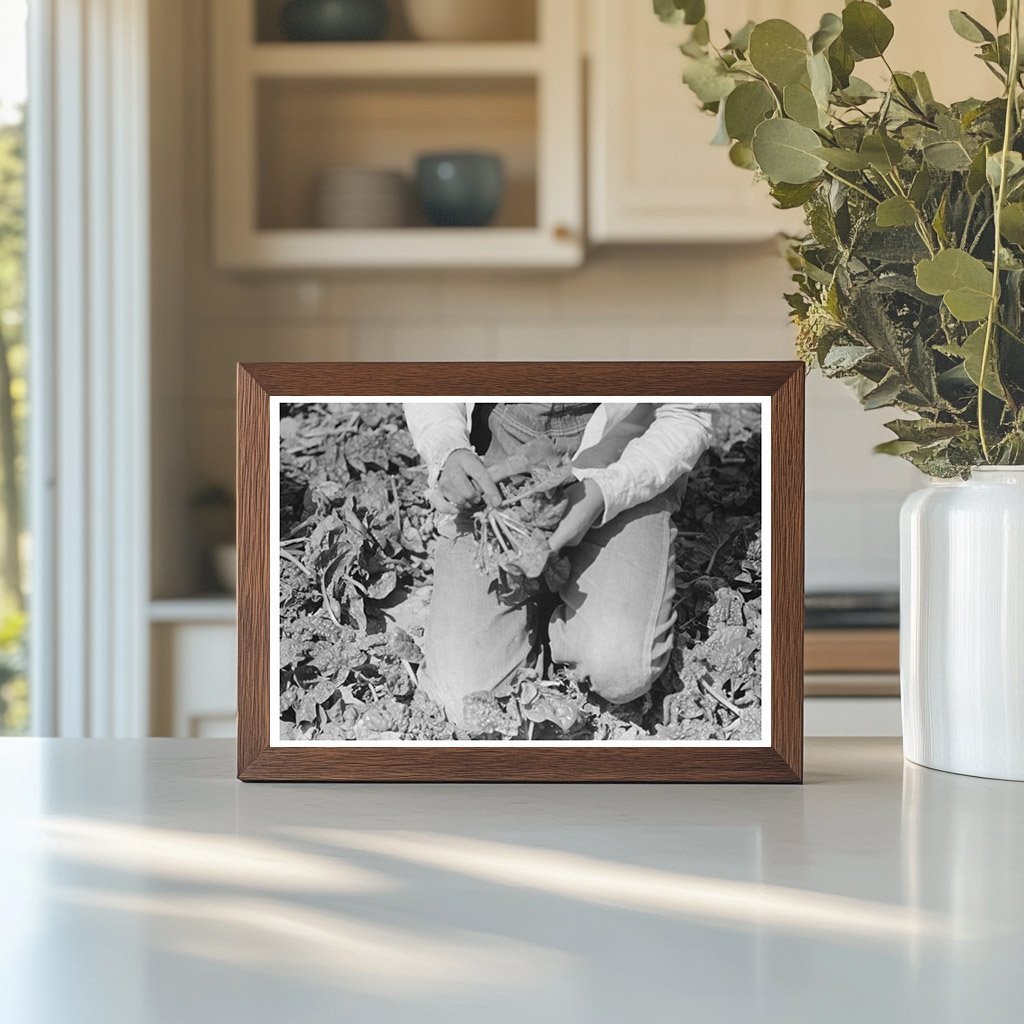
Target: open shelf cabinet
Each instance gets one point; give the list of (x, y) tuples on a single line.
[(285, 113)]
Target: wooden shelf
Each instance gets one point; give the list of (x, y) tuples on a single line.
[(401, 247), (393, 60)]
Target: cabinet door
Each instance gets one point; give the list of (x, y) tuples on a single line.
[(654, 175)]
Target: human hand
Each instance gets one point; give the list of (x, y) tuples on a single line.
[(466, 482), (586, 506)]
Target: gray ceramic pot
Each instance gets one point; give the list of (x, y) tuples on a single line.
[(460, 189), (334, 20)]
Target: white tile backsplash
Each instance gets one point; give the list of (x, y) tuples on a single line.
[(718, 302)]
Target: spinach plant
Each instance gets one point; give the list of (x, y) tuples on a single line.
[(909, 280)]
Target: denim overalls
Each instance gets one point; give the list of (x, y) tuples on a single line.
[(514, 423), (614, 623)]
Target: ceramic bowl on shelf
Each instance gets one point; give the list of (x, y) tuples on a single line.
[(361, 198), (460, 189), (470, 20), (333, 21)]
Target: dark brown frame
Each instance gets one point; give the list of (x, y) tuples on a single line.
[(781, 762)]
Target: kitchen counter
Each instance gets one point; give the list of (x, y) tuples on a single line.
[(143, 885)]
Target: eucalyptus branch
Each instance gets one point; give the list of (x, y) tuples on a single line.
[(924, 229), (850, 184), (1000, 200), (895, 291)]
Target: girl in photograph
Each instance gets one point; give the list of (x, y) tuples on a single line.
[(614, 621)]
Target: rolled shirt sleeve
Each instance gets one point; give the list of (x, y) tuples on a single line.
[(654, 461), (437, 429)]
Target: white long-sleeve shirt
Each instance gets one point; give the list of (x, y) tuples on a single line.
[(632, 451)]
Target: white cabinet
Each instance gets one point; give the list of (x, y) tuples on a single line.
[(286, 113), (653, 175), (192, 649)]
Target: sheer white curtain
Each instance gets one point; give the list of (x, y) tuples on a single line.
[(89, 344)]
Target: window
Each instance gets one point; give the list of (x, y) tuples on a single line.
[(14, 549)]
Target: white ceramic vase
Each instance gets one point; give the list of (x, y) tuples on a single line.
[(962, 624)]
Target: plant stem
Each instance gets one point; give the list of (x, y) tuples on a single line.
[(289, 557), (1000, 199), (768, 85), (850, 184), (981, 231)]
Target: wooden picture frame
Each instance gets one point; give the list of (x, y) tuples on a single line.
[(780, 386)]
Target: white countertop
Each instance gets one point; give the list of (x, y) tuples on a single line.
[(143, 885)]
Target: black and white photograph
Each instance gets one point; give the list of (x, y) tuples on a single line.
[(502, 572)]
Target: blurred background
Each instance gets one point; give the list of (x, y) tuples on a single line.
[(214, 181)]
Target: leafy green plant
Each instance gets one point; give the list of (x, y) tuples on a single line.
[(357, 538), (910, 276), (512, 539)]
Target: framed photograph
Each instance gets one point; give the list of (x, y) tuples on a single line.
[(520, 572)]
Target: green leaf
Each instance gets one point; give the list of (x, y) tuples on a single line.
[(1014, 169), (858, 91), (801, 106), (779, 51), (708, 80), (830, 29), (946, 156), (924, 87), (999, 6), (971, 352), (976, 174), (885, 394), (694, 49), (789, 197), (866, 29), (841, 60), (746, 107), (785, 152), (883, 153), (694, 10), (1013, 223), (741, 155), (739, 41), (896, 212), (963, 281), (820, 76), (939, 220), (676, 12), (844, 159), (896, 447), (923, 431), (906, 89), (969, 28), (921, 185)]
